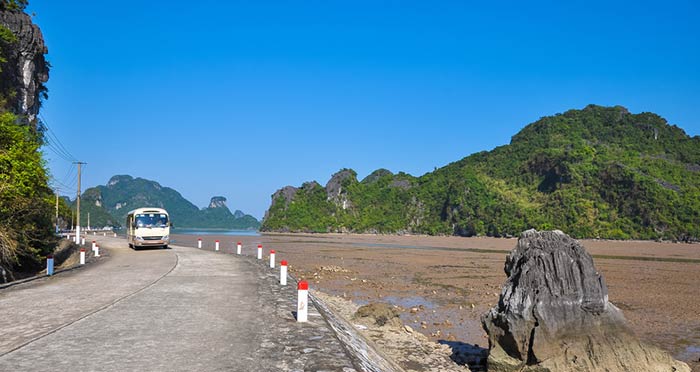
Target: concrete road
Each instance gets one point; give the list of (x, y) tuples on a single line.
[(181, 309)]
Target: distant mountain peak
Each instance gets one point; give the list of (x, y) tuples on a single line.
[(109, 204), (218, 202), (119, 178)]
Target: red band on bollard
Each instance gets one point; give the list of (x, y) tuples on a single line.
[(239, 243), (49, 257), (272, 251), (303, 285), (283, 263), (82, 249), (259, 245), (199, 238), (217, 241)]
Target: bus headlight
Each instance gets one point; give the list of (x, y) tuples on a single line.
[(138, 238), (167, 237)]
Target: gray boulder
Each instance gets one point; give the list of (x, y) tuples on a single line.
[(553, 314)]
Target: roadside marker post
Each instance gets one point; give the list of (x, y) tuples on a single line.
[(199, 243), (49, 265), (82, 241), (216, 245), (82, 256), (283, 272), (272, 259), (238, 248), (94, 245), (259, 251), (303, 301), (115, 235), (97, 251), (104, 234)]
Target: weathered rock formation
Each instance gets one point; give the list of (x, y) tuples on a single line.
[(554, 315), (25, 71), (336, 188), (218, 202)]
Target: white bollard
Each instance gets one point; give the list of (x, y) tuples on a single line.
[(104, 234), (238, 248), (94, 233), (82, 241), (82, 256), (259, 251), (97, 251), (272, 259), (199, 243), (115, 235), (49, 265), (303, 301), (283, 272), (93, 245), (216, 245)]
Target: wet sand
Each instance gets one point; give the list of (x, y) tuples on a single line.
[(444, 284)]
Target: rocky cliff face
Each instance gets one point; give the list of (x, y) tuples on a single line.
[(554, 315), (25, 70), (336, 188), (218, 202)]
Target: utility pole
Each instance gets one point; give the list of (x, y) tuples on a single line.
[(88, 225), (56, 211), (77, 220)]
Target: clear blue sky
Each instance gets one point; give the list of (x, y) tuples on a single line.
[(239, 98)]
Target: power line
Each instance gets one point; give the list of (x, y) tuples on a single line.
[(67, 183), (54, 143), (54, 138)]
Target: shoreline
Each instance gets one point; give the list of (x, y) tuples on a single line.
[(442, 293)]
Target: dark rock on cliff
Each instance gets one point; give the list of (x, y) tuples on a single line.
[(119, 178), (554, 315), (218, 202), (287, 192), (25, 71), (336, 188)]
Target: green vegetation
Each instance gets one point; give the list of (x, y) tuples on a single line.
[(26, 202), (13, 5), (108, 206), (7, 89), (596, 172)]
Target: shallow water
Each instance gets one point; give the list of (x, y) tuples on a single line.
[(215, 232), (690, 353)]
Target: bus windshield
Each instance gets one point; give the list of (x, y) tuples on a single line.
[(151, 220)]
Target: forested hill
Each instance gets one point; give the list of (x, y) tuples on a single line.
[(109, 204), (597, 172)]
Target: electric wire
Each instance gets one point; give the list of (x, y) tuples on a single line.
[(54, 144)]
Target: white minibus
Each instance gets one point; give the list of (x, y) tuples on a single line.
[(148, 227)]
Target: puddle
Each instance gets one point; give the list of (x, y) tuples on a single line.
[(690, 353)]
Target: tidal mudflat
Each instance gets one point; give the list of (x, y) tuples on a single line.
[(444, 284)]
